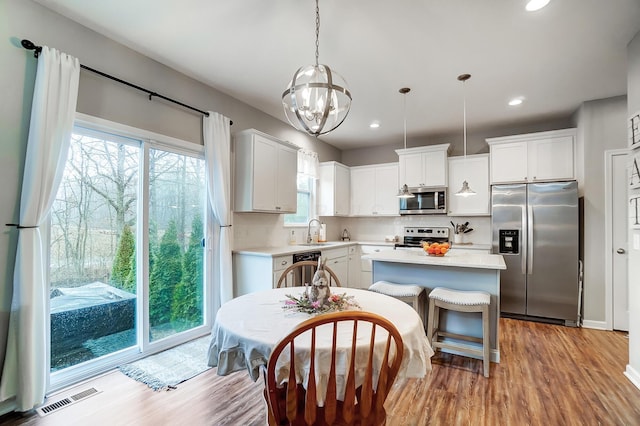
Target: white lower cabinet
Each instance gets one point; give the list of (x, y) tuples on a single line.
[(337, 259), (256, 272), (353, 278), (366, 276)]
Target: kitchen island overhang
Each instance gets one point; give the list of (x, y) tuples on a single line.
[(457, 271)]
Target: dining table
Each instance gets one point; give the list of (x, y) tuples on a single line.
[(248, 327)]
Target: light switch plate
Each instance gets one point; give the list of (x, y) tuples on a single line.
[(636, 241)]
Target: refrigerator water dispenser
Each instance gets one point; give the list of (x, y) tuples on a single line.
[(509, 241)]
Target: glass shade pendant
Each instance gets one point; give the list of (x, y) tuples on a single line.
[(404, 190), (317, 99), (465, 191)]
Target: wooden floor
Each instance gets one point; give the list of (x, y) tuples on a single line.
[(548, 375)]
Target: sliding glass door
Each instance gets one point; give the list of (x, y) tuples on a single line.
[(127, 263), (176, 202)]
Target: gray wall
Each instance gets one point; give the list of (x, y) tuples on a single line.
[(475, 141), (633, 104), (602, 127), (102, 98)]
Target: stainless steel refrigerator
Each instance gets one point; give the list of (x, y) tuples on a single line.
[(535, 228)]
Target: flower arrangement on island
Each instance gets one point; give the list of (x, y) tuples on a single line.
[(335, 302)]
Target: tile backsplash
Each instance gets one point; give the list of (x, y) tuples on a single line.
[(252, 230)]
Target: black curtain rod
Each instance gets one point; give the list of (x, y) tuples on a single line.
[(29, 45)]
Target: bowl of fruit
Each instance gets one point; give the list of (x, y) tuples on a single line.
[(435, 249)]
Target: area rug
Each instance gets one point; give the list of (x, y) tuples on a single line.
[(164, 371)]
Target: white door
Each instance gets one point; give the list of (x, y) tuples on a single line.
[(619, 242)]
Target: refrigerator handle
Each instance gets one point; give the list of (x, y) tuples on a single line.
[(530, 240), (523, 258)]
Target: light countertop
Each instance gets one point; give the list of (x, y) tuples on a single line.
[(463, 259), (301, 248)]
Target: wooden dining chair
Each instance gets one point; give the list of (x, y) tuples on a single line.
[(363, 404), (305, 270)]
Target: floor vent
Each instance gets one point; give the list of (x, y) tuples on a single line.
[(58, 405)]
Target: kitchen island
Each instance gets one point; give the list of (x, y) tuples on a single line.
[(457, 270)]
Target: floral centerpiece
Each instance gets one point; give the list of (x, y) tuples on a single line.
[(335, 302)]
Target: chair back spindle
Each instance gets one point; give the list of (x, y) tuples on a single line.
[(363, 400), (305, 270)]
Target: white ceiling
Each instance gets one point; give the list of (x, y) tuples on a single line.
[(556, 58)]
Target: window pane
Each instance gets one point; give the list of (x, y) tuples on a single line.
[(176, 205), (93, 223), (305, 202)]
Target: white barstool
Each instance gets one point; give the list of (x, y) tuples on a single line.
[(412, 294), (461, 301)]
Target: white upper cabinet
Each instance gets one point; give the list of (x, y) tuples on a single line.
[(265, 173), (509, 162), (533, 157), (423, 166), (334, 189), (552, 158), (475, 170), (374, 189)]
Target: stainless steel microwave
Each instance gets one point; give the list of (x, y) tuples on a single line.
[(425, 201)]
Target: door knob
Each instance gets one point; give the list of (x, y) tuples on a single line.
[(620, 251)]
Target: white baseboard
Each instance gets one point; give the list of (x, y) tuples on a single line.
[(633, 375), (598, 325)]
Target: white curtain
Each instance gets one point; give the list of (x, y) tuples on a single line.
[(52, 113), (217, 148), (308, 163)]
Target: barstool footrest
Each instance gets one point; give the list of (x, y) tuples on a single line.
[(469, 349), (457, 336)]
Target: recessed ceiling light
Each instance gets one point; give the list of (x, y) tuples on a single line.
[(374, 125), (534, 5), (515, 101)]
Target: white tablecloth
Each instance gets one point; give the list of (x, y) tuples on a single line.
[(247, 328)]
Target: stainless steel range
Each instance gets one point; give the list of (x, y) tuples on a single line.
[(414, 235)]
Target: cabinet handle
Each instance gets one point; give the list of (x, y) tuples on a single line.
[(284, 262), (277, 208)]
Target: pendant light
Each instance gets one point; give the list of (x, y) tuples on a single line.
[(317, 100), (404, 190), (465, 191)]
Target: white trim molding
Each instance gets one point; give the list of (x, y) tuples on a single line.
[(596, 325), (633, 375)]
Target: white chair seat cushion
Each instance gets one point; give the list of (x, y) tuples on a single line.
[(396, 290), (457, 297)]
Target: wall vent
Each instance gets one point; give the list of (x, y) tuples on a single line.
[(65, 402)]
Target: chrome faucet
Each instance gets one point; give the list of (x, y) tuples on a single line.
[(309, 239)]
